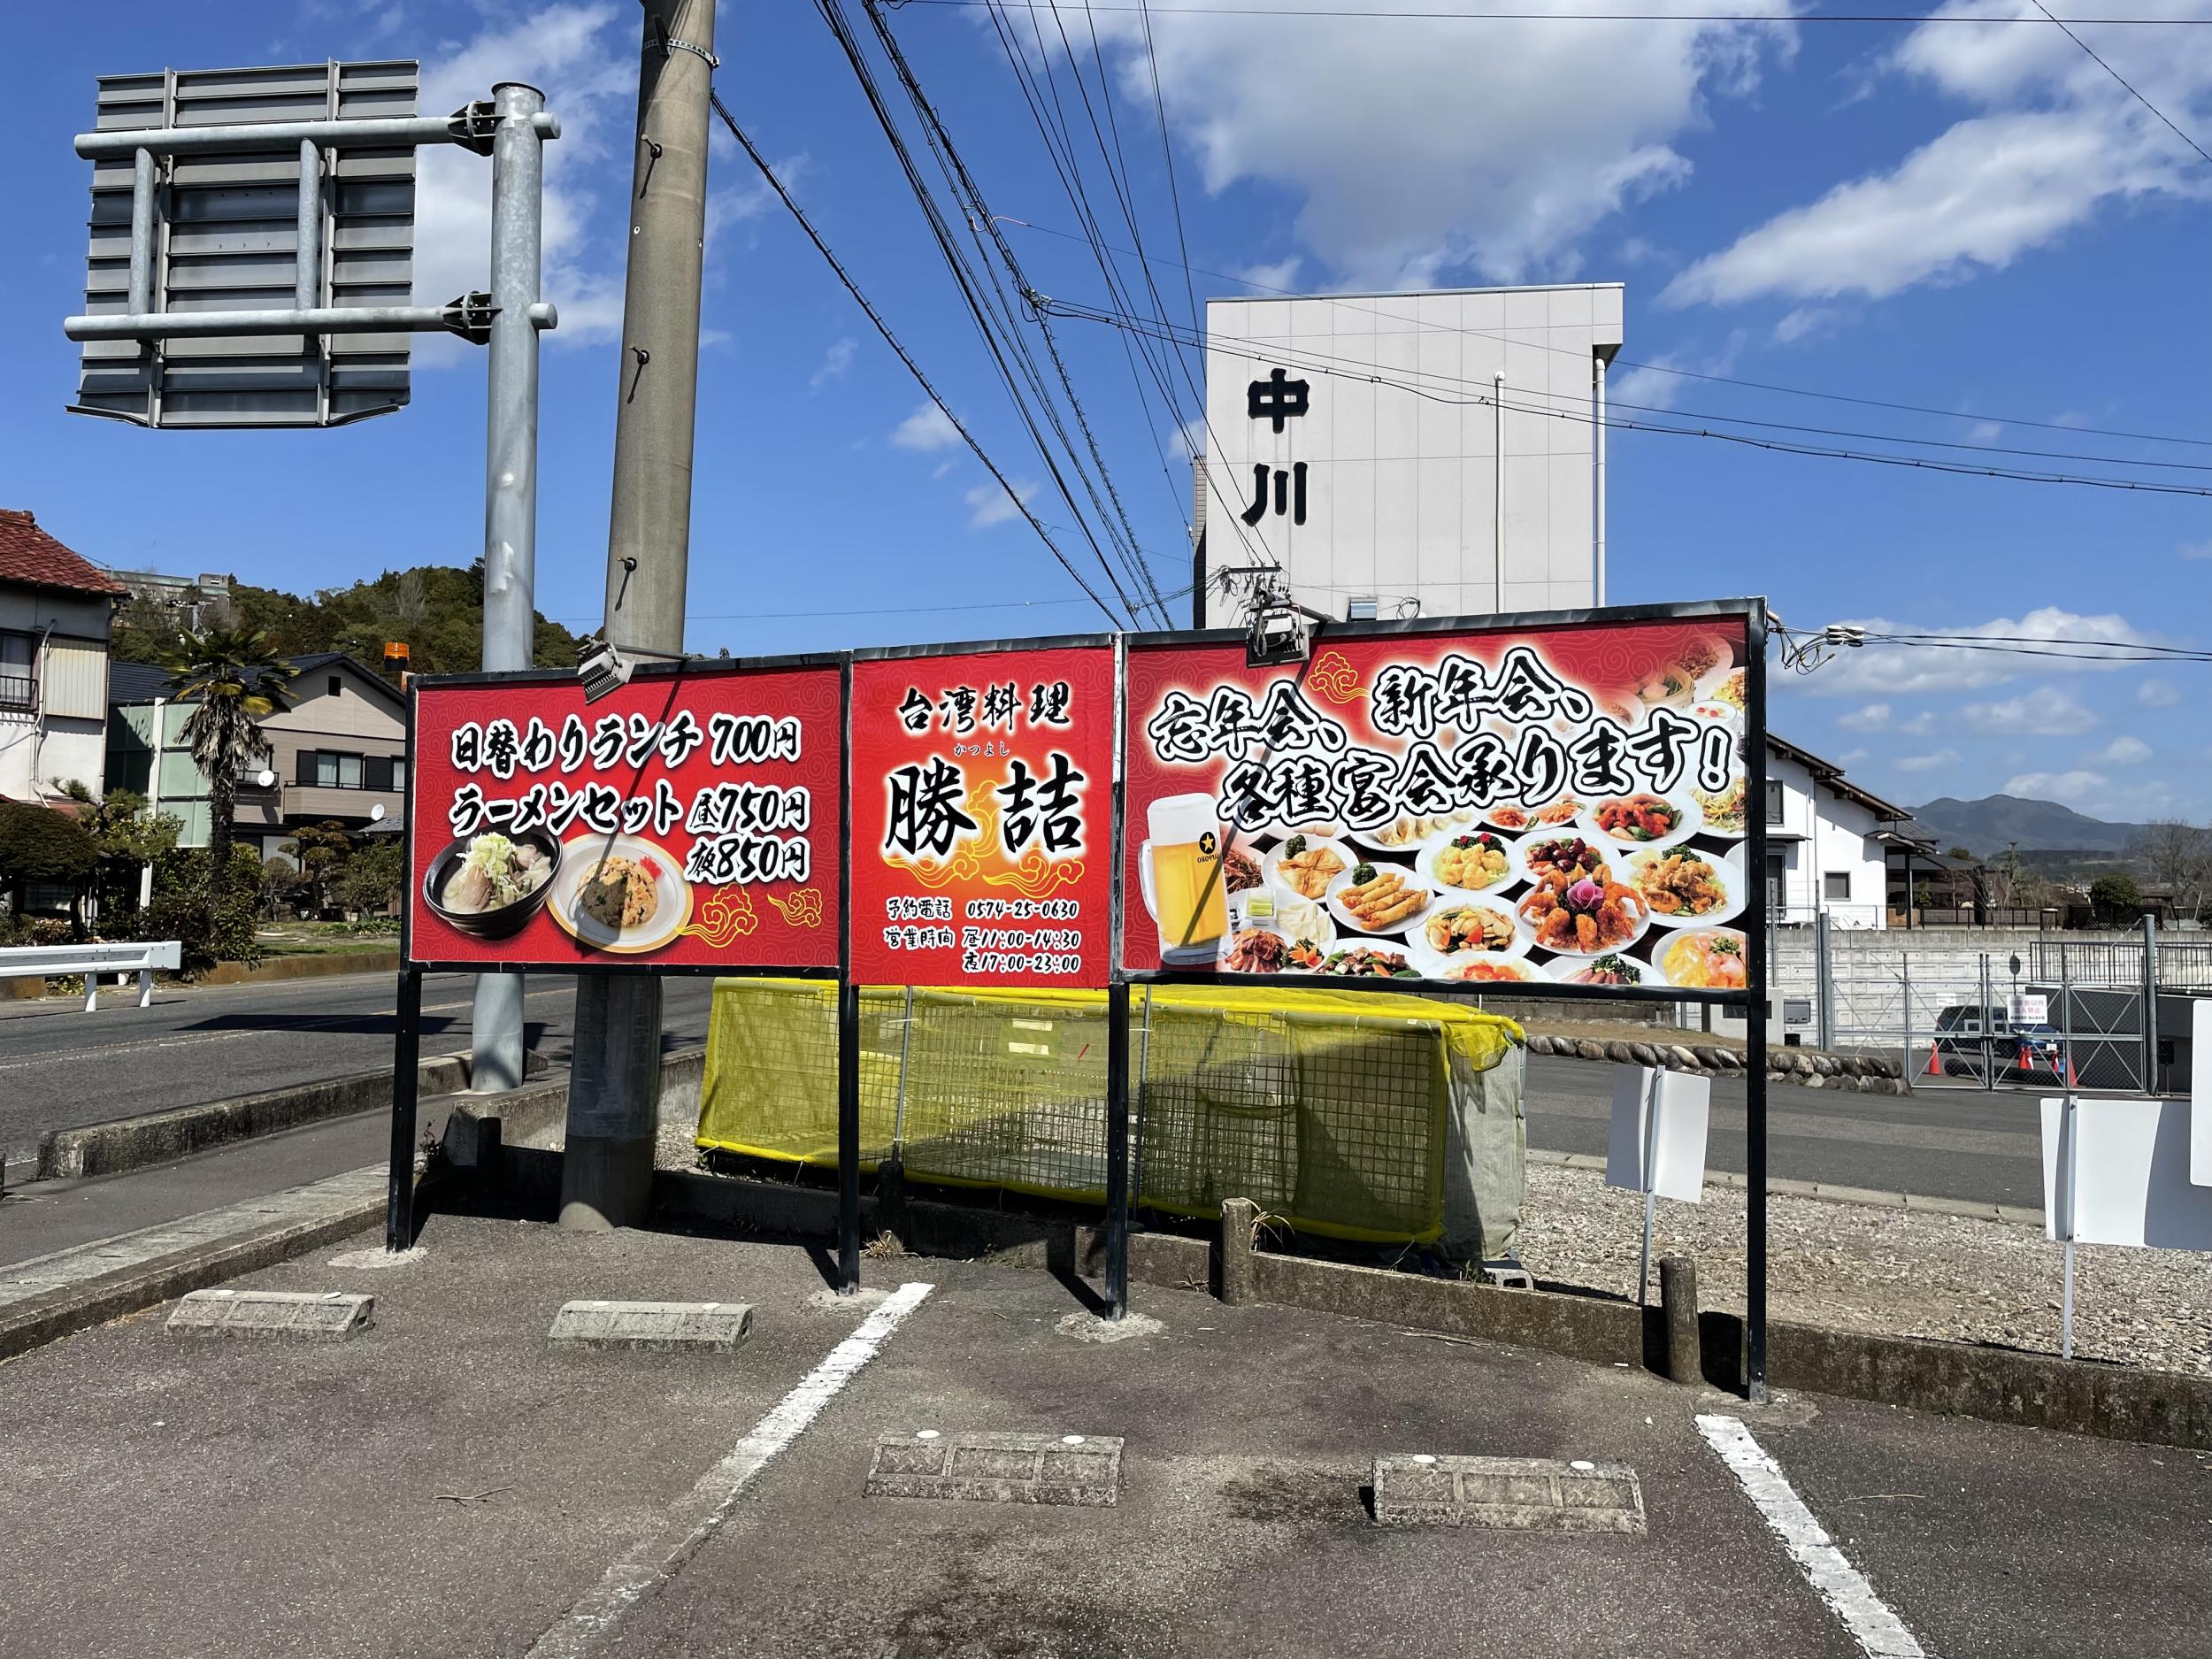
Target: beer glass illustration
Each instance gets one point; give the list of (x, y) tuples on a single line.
[(1179, 872)]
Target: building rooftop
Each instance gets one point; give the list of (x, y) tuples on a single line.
[(29, 556), (131, 683)]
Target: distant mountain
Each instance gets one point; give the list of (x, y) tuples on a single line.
[(1987, 826)]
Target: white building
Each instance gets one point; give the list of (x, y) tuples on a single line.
[(1407, 454), (56, 607), (1824, 846)]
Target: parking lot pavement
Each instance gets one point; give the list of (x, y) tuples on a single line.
[(448, 1482)]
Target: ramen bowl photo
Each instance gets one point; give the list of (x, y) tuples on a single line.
[(489, 886)]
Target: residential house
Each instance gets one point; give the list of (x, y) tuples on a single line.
[(55, 609), (1827, 848), (339, 754)]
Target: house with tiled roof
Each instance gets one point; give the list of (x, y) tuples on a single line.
[(56, 610), (338, 755)]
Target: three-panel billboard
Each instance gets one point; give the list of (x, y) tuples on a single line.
[(1561, 804)]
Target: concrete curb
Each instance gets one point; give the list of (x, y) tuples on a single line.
[(41, 1320), (1828, 1192), (130, 1143)]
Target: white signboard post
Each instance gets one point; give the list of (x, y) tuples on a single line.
[(2028, 1009), (2201, 1092), (1657, 1143)]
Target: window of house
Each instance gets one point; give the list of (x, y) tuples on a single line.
[(336, 685), (399, 775), (1836, 885), (1774, 801), (18, 676), (327, 769)]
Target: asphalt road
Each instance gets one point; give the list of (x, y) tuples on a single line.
[(61, 1068)]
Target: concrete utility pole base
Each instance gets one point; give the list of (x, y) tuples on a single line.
[(613, 1104)]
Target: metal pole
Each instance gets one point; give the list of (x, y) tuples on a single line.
[(1116, 1150), (1651, 1195), (607, 1173), (848, 1136), (2150, 1005), (2066, 1136), (1597, 485), (1755, 1024), (399, 1197), (307, 264), (510, 486), (1988, 1022), (1904, 1063), (1824, 975), (906, 1048), (145, 179)]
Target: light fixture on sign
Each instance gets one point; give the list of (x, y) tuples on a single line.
[(601, 668)]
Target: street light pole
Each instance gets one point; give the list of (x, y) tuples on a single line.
[(510, 488), (614, 1096)]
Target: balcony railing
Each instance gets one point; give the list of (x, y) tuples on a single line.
[(19, 691)]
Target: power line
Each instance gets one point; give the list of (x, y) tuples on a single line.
[(874, 611), (1655, 368), (2124, 82), (1780, 446), (904, 356), (1338, 12)]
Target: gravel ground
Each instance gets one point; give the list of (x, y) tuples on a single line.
[(1895, 1272)]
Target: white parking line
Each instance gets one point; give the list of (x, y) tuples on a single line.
[(1878, 1631), (692, 1521)]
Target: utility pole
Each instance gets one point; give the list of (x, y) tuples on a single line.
[(614, 1092), (510, 489)]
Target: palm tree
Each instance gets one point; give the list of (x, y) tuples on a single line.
[(234, 679)]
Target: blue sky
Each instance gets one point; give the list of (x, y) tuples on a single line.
[(1977, 219)]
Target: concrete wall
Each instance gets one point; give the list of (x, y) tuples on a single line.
[(1401, 484)]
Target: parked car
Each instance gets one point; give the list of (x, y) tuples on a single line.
[(2027, 1051)]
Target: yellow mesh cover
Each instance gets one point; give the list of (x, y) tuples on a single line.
[(1329, 1109)]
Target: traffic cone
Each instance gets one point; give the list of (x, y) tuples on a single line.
[(1935, 1060)]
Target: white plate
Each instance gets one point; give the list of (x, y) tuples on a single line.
[(1426, 863), (1323, 933), (1714, 713), (1691, 821), (1457, 967), (1568, 970), (1711, 828), (1528, 932), (1709, 687), (1351, 923), (1452, 899), (1270, 865), (672, 909), (1528, 816), (1464, 818), (1730, 882), (1524, 851), (1681, 941), (1275, 831), (1228, 938)]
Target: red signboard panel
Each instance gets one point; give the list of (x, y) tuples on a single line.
[(684, 821), (1562, 806), (982, 800)]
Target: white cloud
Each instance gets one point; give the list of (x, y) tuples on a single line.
[(1983, 431), (1281, 274), (2056, 139), (1926, 762), (742, 203), (1851, 757), (585, 60), (1920, 725), (2156, 693), (2124, 751), (1898, 671), (1806, 322), (1872, 717), (2195, 549), (2086, 791), (835, 362), (1520, 146), (988, 504), (928, 428), (2046, 712), (1189, 441), (1650, 385)]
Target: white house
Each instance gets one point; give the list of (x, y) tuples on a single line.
[(1824, 849), (56, 607)]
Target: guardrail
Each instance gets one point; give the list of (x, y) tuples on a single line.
[(92, 961)]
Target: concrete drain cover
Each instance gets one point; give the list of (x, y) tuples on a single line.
[(714, 1326), (1078, 1469), (305, 1315), (1527, 1494)]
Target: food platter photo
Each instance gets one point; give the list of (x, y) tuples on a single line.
[(620, 893), (489, 886), (1470, 859), (1641, 819), (1306, 864), (1583, 917), (1457, 925), (1475, 967), (1281, 910), (1513, 818), (1381, 899), (1611, 972), (1402, 835), (1686, 887), (1705, 959)]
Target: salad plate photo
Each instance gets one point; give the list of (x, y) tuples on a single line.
[(620, 893), (1611, 972), (1642, 819)]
